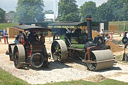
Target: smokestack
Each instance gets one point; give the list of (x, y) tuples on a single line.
[(89, 27)]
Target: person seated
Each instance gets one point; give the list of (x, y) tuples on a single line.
[(22, 38), (77, 32), (32, 37), (16, 39), (42, 38)]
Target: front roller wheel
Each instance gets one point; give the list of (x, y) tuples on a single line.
[(19, 56), (59, 50), (100, 59), (11, 49)]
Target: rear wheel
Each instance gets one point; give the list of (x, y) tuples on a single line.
[(37, 60), (57, 53), (59, 50)]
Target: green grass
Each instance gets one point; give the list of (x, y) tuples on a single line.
[(8, 79), (121, 25), (6, 25), (119, 58), (82, 82)]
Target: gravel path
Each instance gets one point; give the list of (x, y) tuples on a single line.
[(62, 72)]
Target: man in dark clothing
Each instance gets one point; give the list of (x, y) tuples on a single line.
[(32, 37)]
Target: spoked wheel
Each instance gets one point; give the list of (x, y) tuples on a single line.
[(59, 50), (16, 60), (91, 66), (57, 53)]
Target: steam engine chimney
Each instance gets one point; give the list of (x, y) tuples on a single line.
[(89, 27)]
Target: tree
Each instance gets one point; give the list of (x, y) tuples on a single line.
[(117, 8), (68, 11), (30, 10), (88, 8), (11, 12), (2, 15), (12, 16), (112, 10), (104, 13)]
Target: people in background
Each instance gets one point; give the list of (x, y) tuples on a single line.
[(102, 32), (5, 35), (1, 34)]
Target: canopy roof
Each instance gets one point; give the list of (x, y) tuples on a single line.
[(67, 24), (30, 27)]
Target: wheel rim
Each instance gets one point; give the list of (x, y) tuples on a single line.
[(57, 52), (91, 66), (37, 60)]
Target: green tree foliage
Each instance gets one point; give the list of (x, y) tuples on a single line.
[(68, 11), (11, 12), (112, 10), (103, 13), (118, 9), (88, 8), (30, 10), (2, 15)]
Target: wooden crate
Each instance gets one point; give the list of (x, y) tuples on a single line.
[(12, 32), (114, 28)]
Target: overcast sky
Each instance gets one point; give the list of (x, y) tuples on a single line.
[(9, 5)]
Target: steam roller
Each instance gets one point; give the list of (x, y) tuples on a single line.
[(28, 51), (94, 52)]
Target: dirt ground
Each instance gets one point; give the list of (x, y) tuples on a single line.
[(73, 70)]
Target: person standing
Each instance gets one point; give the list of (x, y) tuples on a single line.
[(5, 36), (102, 32)]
